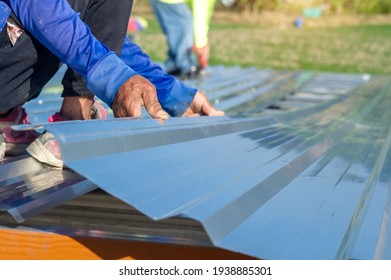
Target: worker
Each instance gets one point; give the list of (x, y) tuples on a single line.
[(36, 37), (186, 25)]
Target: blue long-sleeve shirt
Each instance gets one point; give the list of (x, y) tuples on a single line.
[(59, 28)]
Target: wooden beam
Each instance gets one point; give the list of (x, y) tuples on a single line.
[(30, 245)]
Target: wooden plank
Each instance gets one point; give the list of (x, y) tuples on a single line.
[(30, 245)]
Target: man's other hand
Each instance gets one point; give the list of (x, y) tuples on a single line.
[(201, 107), (135, 93), (202, 55)]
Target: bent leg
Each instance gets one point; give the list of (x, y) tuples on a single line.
[(108, 21), (25, 66), (177, 24)]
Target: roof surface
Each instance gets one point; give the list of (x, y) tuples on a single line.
[(299, 168)]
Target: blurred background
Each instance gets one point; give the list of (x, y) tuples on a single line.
[(349, 36)]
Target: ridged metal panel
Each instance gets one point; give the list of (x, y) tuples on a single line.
[(27, 188), (298, 169)]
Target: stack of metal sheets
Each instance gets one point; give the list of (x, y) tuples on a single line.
[(299, 168)]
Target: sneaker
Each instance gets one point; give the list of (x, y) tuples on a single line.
[(16, 142), (175, 72), (194, 72), (46, 149)]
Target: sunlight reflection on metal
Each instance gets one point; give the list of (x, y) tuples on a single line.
[(298, 169)]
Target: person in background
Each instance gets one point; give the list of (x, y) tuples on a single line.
[(89, 36), (185, 24), (136, 24)]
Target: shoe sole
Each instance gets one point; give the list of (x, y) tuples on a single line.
[(40, 153)]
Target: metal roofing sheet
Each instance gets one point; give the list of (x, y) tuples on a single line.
[(298, 169)]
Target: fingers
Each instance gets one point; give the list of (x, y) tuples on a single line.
[(134, 109), (126, 105), (133, 95), (152, 104), (201, 106), (191, 114), (138, 92), (208, 109)]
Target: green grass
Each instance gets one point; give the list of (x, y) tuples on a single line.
[(351, 49)]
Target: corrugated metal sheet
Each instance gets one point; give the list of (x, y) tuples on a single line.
[(298, 169)]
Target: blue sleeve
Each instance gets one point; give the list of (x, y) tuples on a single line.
[(174, 96), (4, 14), (59, 28)]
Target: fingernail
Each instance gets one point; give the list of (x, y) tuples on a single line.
[(217, 113), (163, 115)]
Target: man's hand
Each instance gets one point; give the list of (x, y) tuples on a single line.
[(201, 107), (133, 95), (202, 55)]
